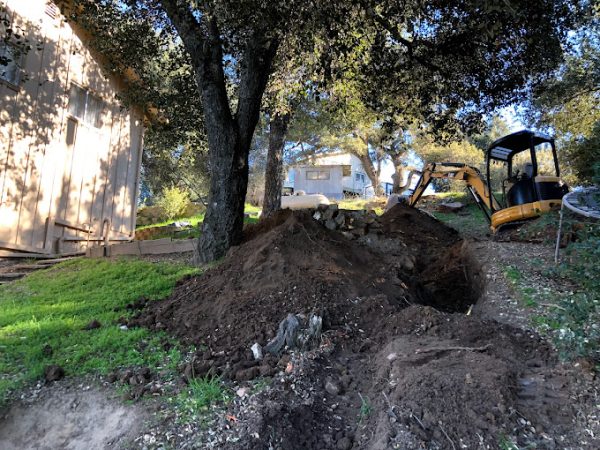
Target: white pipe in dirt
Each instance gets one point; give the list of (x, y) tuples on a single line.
[(560, 221)]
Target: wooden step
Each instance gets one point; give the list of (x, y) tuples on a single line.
[(26, 267), (12, 275), (51, 262)]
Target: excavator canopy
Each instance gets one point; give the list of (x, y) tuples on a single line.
[(505, 148)]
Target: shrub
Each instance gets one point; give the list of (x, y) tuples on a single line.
[(174, 201)]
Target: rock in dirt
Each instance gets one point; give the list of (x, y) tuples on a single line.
[(294, 333), (257, 351), (286, 335), (450, 207), (53, 373), (112, 377), (344, 444), (332, 387)]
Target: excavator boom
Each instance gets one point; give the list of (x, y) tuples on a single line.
[(456, 171)]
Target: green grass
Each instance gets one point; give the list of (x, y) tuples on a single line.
[(195, 401), (194, 221), (365, 408), (199, 218), (470, 221), (504, 443), (53, 306), (570, 317), (362, 203)]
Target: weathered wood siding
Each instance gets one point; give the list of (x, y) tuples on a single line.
[(58, 174)]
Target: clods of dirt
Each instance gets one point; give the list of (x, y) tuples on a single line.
[(53, 372), (93, 325), (141, 381), (399, 363)]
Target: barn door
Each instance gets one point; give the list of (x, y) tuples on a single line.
[(84, 141)]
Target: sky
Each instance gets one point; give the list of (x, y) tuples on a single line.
[(510, 116)]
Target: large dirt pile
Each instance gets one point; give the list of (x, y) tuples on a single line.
[(395, 368), (292, 264)]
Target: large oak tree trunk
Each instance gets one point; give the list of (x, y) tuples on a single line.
[(224, 219), (372, 172), (397, 186), (229, 135), (274, 173)]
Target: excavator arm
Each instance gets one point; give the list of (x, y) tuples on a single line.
[(457, 171)]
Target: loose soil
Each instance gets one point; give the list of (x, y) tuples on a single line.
[(399, 365)]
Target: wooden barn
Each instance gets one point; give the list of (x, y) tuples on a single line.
[(70, 154)]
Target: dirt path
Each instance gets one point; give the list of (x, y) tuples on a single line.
[(70, 415)]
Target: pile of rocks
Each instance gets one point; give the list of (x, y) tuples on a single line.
[(352, 224)]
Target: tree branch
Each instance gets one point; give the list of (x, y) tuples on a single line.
[(256, 68), (410, 45), (188, 28)]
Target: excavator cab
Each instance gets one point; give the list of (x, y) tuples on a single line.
[(532, 183), (530, 179)]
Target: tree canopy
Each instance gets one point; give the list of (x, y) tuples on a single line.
[(568, 104), (439, 62)]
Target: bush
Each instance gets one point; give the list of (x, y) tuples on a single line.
[(578, 315), (174, 202), (148, 215)]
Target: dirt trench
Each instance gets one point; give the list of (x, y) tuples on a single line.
[(399, 365)]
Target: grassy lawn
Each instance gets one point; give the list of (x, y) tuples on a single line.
[(195, 223), (470, 221), (376, 204), (51, 308)]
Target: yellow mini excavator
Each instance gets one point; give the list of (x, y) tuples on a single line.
[(532, 184)]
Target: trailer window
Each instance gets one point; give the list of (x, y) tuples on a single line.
[(317, 175)]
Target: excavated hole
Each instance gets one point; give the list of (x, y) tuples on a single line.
[(451, 284)]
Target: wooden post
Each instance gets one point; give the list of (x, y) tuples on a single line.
[(49, 234)]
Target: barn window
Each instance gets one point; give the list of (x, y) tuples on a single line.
[(9, 67), (51, 10), (360, 177), (317, 174), (85, 106)]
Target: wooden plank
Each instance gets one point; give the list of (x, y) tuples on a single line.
[(58, 48), (130, 248), (12, 275), (156, 247), (26, 267), (25, 248), (95, 252), (49, 233), (29, 138), (9, 254), (49, 262), (151, 247), (74, 226)]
